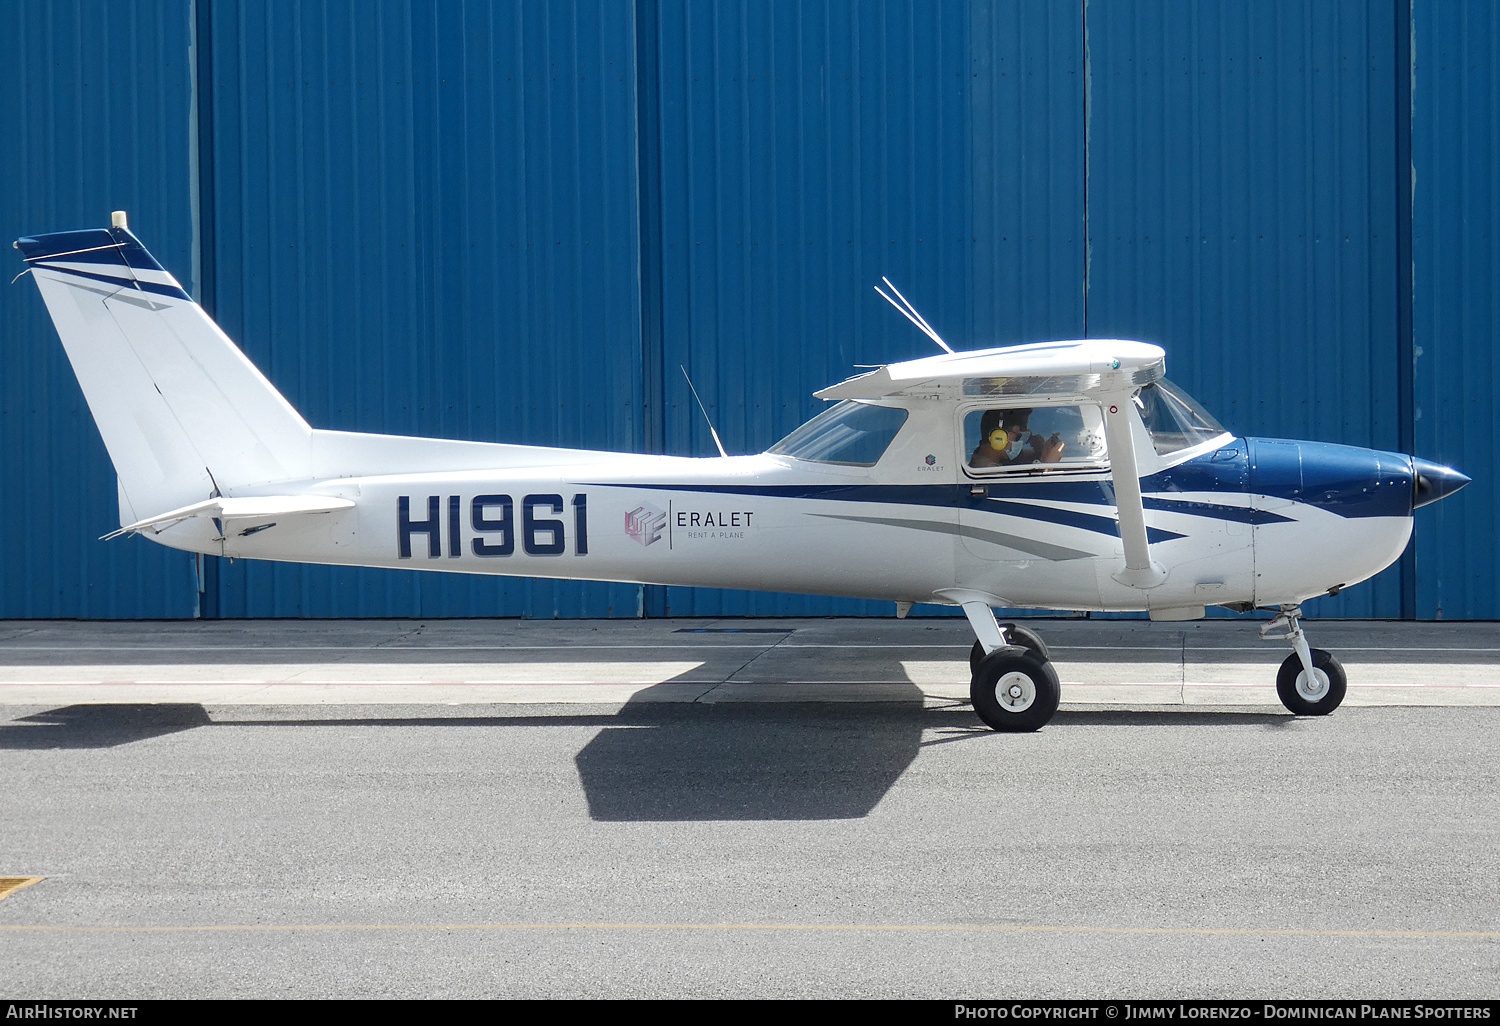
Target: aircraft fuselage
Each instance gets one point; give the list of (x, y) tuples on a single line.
[(1255, 521)]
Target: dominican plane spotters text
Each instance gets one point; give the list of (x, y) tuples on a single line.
[(1065, 475)]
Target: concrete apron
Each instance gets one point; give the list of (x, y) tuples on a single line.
[(1102, 663)]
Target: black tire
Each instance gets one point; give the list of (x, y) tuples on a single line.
[(1017, 635), (1306, 702), (1013, 691)]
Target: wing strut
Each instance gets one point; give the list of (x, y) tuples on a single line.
[(1140, 570)]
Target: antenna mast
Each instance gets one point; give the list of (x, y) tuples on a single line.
[(910, 313), (705, 411)]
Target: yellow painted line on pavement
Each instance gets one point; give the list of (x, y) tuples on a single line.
[(11, 884)]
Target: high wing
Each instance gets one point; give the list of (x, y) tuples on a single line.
[(1090, 369), (1108, 372)]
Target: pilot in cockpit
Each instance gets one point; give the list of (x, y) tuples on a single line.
[(1005, 440)]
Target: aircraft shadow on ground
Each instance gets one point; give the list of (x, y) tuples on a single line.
[(749, 762), (663, 762), (791, 761), (100, 726), (648, 762)]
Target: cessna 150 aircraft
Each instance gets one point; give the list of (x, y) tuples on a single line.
[(1064, 475)]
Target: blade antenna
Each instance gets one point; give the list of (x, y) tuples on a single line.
[(705, 411), (910, 313)]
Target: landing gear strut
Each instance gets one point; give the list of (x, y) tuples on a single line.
[(1014, 687), (1014, 635), (1311, 681)]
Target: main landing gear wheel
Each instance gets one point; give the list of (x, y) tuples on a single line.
[(1315, 696), (1014, 691), (1025, 637)]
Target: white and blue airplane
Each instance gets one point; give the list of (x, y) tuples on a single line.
[(1062, 475)]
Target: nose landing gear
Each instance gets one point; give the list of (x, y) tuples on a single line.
[(1311, 681)]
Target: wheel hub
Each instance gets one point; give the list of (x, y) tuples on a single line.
[(1314, 687), (1015, 691)]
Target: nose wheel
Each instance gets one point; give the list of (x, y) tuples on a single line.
[(1315, 694), (1311, 681)]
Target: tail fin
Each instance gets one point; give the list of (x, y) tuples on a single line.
[(182, 411)]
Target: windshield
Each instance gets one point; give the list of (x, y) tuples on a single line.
[(852, 433), (1174, 419)]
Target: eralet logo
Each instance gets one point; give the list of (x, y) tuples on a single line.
[(644, 524)]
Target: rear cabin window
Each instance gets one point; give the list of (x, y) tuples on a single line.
[(1033, 438), (852, 433)]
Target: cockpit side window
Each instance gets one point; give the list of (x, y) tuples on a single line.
[(1173, 419), (852, 433), (1033, 438)]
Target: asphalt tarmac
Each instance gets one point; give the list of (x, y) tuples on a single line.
[(739, 809)]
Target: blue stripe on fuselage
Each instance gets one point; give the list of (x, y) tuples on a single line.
[(945, 496), (1215, 511), (1066, 517), (1348, 481)]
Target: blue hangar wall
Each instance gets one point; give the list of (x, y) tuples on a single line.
[(513, 221)]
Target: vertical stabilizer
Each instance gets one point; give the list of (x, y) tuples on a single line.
[(182, 411)]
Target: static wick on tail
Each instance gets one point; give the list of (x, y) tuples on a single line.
[(910, 312)]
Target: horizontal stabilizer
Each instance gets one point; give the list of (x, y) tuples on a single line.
[(251, 507)]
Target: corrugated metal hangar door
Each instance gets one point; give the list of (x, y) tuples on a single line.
[(514, 221)]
